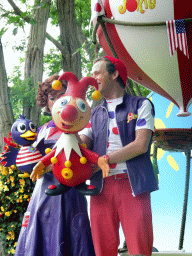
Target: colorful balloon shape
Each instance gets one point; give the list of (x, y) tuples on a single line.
[(145, 49), (167, 202)]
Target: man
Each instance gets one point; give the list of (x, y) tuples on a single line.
[(121, 129)]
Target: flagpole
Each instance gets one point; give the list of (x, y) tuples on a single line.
[(124, 23)]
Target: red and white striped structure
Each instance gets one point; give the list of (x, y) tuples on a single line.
[(145, 50), (26, 157), (177, 36)]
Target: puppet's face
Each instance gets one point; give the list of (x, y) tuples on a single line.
[(71, 114)]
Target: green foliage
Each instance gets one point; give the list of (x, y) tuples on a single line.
[(20, 47), (83, 15), (2, 31), (15, 193), (45, 119), (21, 91), (53, 14), (144, 91), (52, 62)]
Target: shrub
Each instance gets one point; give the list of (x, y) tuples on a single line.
[(15, 193)]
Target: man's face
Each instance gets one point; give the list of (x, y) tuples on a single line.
[(103, 78)]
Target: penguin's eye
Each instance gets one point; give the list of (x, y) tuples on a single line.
[(81, 105), (32, 127), (21, 127)]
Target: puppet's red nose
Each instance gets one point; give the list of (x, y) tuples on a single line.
[(69, 113)]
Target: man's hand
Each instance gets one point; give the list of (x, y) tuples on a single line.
[(37, 171), (103, 164)]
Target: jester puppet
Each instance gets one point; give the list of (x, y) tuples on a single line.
[(71, 161)]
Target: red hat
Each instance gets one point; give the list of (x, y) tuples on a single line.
[(120, 66), (76, 88)]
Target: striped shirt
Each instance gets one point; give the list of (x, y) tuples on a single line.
[(28, 155)]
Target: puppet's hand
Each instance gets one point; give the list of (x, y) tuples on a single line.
[(37, 171), (103, 164)]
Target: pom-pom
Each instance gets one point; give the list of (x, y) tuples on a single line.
[(56, 85), (84, 145), (68, 164), (83, 160), (96, 95), (54, 160), (67, 173), (47, 150)]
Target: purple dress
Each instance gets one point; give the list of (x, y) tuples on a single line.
[(55, 225)]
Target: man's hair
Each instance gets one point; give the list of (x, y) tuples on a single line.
[(111, 69)]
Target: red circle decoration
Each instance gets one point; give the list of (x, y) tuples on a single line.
[(131, 5), (115, 130), (112, 166), (91, 187), (52, 187), (97, 7)]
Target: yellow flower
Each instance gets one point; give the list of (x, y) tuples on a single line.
[(17, 201), (7, 214), (2, 209), (20, 200), (8, 180), (20, 197), (1, 187), (13, 184), (25, 196), (12, 251), (4, 172), (10, 170), (15, 244), (21, 191), (15, 211), (12, 178), (6, 188), (22, 182)]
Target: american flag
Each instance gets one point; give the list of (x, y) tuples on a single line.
[(177, 36)]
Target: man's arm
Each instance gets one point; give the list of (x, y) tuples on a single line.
[(85, 139), (138, 147)]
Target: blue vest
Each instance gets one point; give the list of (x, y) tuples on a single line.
[(140, 169)]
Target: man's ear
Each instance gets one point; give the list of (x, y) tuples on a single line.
[(115, 74)]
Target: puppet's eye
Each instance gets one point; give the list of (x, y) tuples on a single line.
[(32, 127), (81, 105), (64, 100), (21, 127)]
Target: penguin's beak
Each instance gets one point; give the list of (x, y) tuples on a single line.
[(29, 135)]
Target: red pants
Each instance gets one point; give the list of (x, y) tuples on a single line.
[(115, 205)]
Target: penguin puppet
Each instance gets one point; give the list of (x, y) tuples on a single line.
[(23, 132)]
